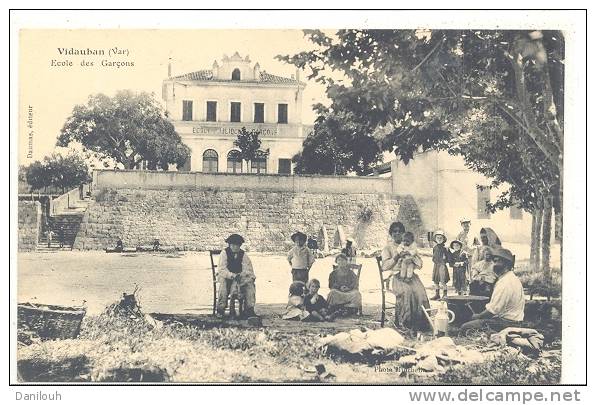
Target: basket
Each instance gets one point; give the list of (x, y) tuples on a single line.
[(51, 321)]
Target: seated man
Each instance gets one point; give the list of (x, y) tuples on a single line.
[(506, 306), (234, 265), (344, 296)]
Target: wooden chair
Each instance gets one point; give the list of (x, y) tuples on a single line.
[(385, 288), (212, 254), (357, 268)]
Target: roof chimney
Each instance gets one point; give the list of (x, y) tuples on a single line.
[(297, 75), (215, 68), (257, 71), (169, 68)]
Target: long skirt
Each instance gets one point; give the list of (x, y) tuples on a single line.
[(440, 275), (410, 298), (459, 278), (348, 299)]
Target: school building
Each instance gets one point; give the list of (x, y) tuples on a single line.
[(209, 107)]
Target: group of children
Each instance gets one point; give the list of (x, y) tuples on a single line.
[(304, 301), (453, 256)]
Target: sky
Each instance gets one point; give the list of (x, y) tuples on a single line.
[(49, 93)]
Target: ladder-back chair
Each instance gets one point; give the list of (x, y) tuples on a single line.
[(385, 288), (357, 269)]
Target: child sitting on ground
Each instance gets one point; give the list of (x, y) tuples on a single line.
[(410, 259), (315, 304), (295, 309)]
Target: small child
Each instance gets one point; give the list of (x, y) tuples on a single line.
[(459, 262), (295, 309), (410, 259), (315, 304), (300, 258), (440, 260), (350, 250)]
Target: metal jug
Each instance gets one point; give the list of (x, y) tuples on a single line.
[(442, 319)]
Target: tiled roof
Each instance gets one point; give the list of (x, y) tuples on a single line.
[(198, 75), (207, 75)]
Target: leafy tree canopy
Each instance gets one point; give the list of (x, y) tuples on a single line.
[(127, 128), (249, 144), (490, 96), (63, 172), (338, 144)]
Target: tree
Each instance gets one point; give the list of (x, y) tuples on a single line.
[(429, 89), (63, 172), (37, 176), (250, 146), (337, 145), (128, 128)]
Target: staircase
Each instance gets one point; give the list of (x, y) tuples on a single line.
[(70, 224), (65, 219)]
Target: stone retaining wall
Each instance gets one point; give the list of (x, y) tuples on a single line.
[(29, 224), (200, 218)]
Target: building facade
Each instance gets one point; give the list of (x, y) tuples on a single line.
[(210, 107), (446, 191)]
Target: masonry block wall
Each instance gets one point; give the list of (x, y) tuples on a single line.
[(29, 224), (200, 217)]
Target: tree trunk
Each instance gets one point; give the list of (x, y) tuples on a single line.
[(561, 217), (535, 240), (546, 234)]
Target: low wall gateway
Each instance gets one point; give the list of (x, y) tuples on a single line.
[(196, 211)]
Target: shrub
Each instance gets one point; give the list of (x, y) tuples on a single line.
[(365, 214), (509, 368), (539, 283)]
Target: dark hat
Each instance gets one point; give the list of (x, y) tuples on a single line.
[(502, 253), (235, 239), (300, 235), (456, 241)]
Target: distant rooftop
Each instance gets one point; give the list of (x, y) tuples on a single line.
[(207, 75), (241, 67)]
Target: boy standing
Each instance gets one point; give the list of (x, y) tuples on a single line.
[(440, 260), (459, 263), (300, 258)]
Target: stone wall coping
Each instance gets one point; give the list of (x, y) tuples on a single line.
[(322, 176)]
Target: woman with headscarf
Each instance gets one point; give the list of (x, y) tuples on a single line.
[(483, 278), (410, 295)]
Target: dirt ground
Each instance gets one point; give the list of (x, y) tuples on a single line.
[(169, 283), (172, 283)]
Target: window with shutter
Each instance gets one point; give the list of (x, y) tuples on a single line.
[(285, 166), (282, 113), (212, 111), (210, 159), (259, 112), (186, 110), (234, 112), (234, 162)]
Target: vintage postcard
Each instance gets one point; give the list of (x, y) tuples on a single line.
[(381, 202)]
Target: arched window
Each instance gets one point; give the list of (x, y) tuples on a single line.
[(259, 164), (234, 162), (236, 74), (210, 158)]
